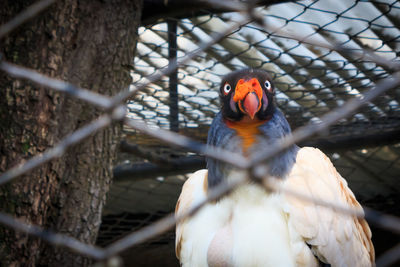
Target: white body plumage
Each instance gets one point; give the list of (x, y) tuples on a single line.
[(252, 227)]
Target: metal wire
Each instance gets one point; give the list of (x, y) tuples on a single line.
[(115, 110), (58, 150), (24, 16), (55, 84), (53, 238)]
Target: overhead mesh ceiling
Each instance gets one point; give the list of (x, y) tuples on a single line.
[(310, 80)]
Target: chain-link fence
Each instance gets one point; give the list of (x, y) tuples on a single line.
[(325, 57)]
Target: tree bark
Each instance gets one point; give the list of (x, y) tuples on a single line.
[(90, 44)]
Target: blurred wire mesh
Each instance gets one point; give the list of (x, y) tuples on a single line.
[(311, 81)]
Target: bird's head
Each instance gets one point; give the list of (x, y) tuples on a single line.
[(247, 93)]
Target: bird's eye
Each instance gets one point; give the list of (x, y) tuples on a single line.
[(268, 85), (227, 88)]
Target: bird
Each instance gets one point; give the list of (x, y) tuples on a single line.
[(253, 226)]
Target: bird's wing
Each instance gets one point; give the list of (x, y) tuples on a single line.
[(335, 238), (194, 190)]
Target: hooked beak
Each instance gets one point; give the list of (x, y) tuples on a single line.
[(251, 104), (248, 95)]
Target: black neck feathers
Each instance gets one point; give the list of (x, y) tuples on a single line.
[(220, 135)]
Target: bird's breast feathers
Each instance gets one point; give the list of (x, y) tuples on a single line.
[(252, 227), (248, 228), (248, 132)]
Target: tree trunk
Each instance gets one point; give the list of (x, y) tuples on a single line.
[(90, 44)]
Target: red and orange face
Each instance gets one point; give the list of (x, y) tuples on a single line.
[(247, 93)]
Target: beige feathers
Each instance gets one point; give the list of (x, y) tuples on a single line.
[(252, 227), (193, 191), (337, 239)]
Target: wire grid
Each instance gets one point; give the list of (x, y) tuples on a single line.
[(338, 76), (311, 80)]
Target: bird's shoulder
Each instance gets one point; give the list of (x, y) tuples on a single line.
[(336, 238), (194, 190)]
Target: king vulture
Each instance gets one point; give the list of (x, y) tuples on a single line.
[(255, 227)]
